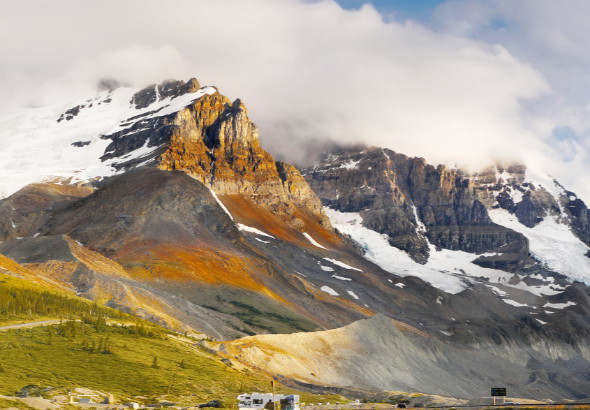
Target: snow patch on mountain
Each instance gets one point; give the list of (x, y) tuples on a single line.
[(514, 303), (542, 180), (350, 164), (420, 227), (548, 288), (378, 250), (64, 141), (246, 228), (497, 291), (312, 241), (341, 264), (450, 271), (222, 206), (559, 306), (329, 290), (354, 295), (552, 243)]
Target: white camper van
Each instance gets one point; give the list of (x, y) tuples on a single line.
[(257, 401)]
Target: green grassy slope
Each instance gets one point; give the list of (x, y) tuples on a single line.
[(116, 359), (106, 350), (22, 301)]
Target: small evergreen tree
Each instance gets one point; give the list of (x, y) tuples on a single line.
[(155, 363), (107, 346)]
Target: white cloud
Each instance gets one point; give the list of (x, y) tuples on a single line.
[(304, 69), (552, 37)]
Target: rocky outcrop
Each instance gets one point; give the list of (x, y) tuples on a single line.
[(580, 215), (410, 201), (298, 189), (213, 140), (508, 187), (167, 89)]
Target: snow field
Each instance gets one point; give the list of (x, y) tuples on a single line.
[(552, 243), (450, 271), (36, 147)]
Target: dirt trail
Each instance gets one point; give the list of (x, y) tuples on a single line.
[(30, 324)]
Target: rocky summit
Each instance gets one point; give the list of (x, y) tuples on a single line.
[(161, 202), (213, 140)]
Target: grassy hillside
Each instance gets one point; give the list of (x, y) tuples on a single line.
[(106, 350), (124, 360), (24, 301)]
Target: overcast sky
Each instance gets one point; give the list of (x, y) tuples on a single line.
[(463, 82)]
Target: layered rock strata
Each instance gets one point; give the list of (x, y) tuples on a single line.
[(413, 203), (508, 187), (213, 140)]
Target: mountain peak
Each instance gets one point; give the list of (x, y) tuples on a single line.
[(166, 89)]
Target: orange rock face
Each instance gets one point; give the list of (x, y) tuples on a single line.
[(214, 141)]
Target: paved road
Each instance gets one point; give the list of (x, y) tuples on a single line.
[(30, 324)]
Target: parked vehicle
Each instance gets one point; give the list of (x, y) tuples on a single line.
[(259, 401)]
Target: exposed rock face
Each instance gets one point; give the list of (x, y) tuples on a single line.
[(298, 189), (508, 187), (175, 242), (214, 141), (156, 92), (411, 202), (580, 215), (23, 213), (60, 262)]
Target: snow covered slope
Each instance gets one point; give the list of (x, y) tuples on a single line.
[(553, 220), (64, 141), (448, 270), (516, 232), (552, 243)]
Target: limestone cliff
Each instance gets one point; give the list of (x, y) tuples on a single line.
[(396, 195), (213, 140)]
